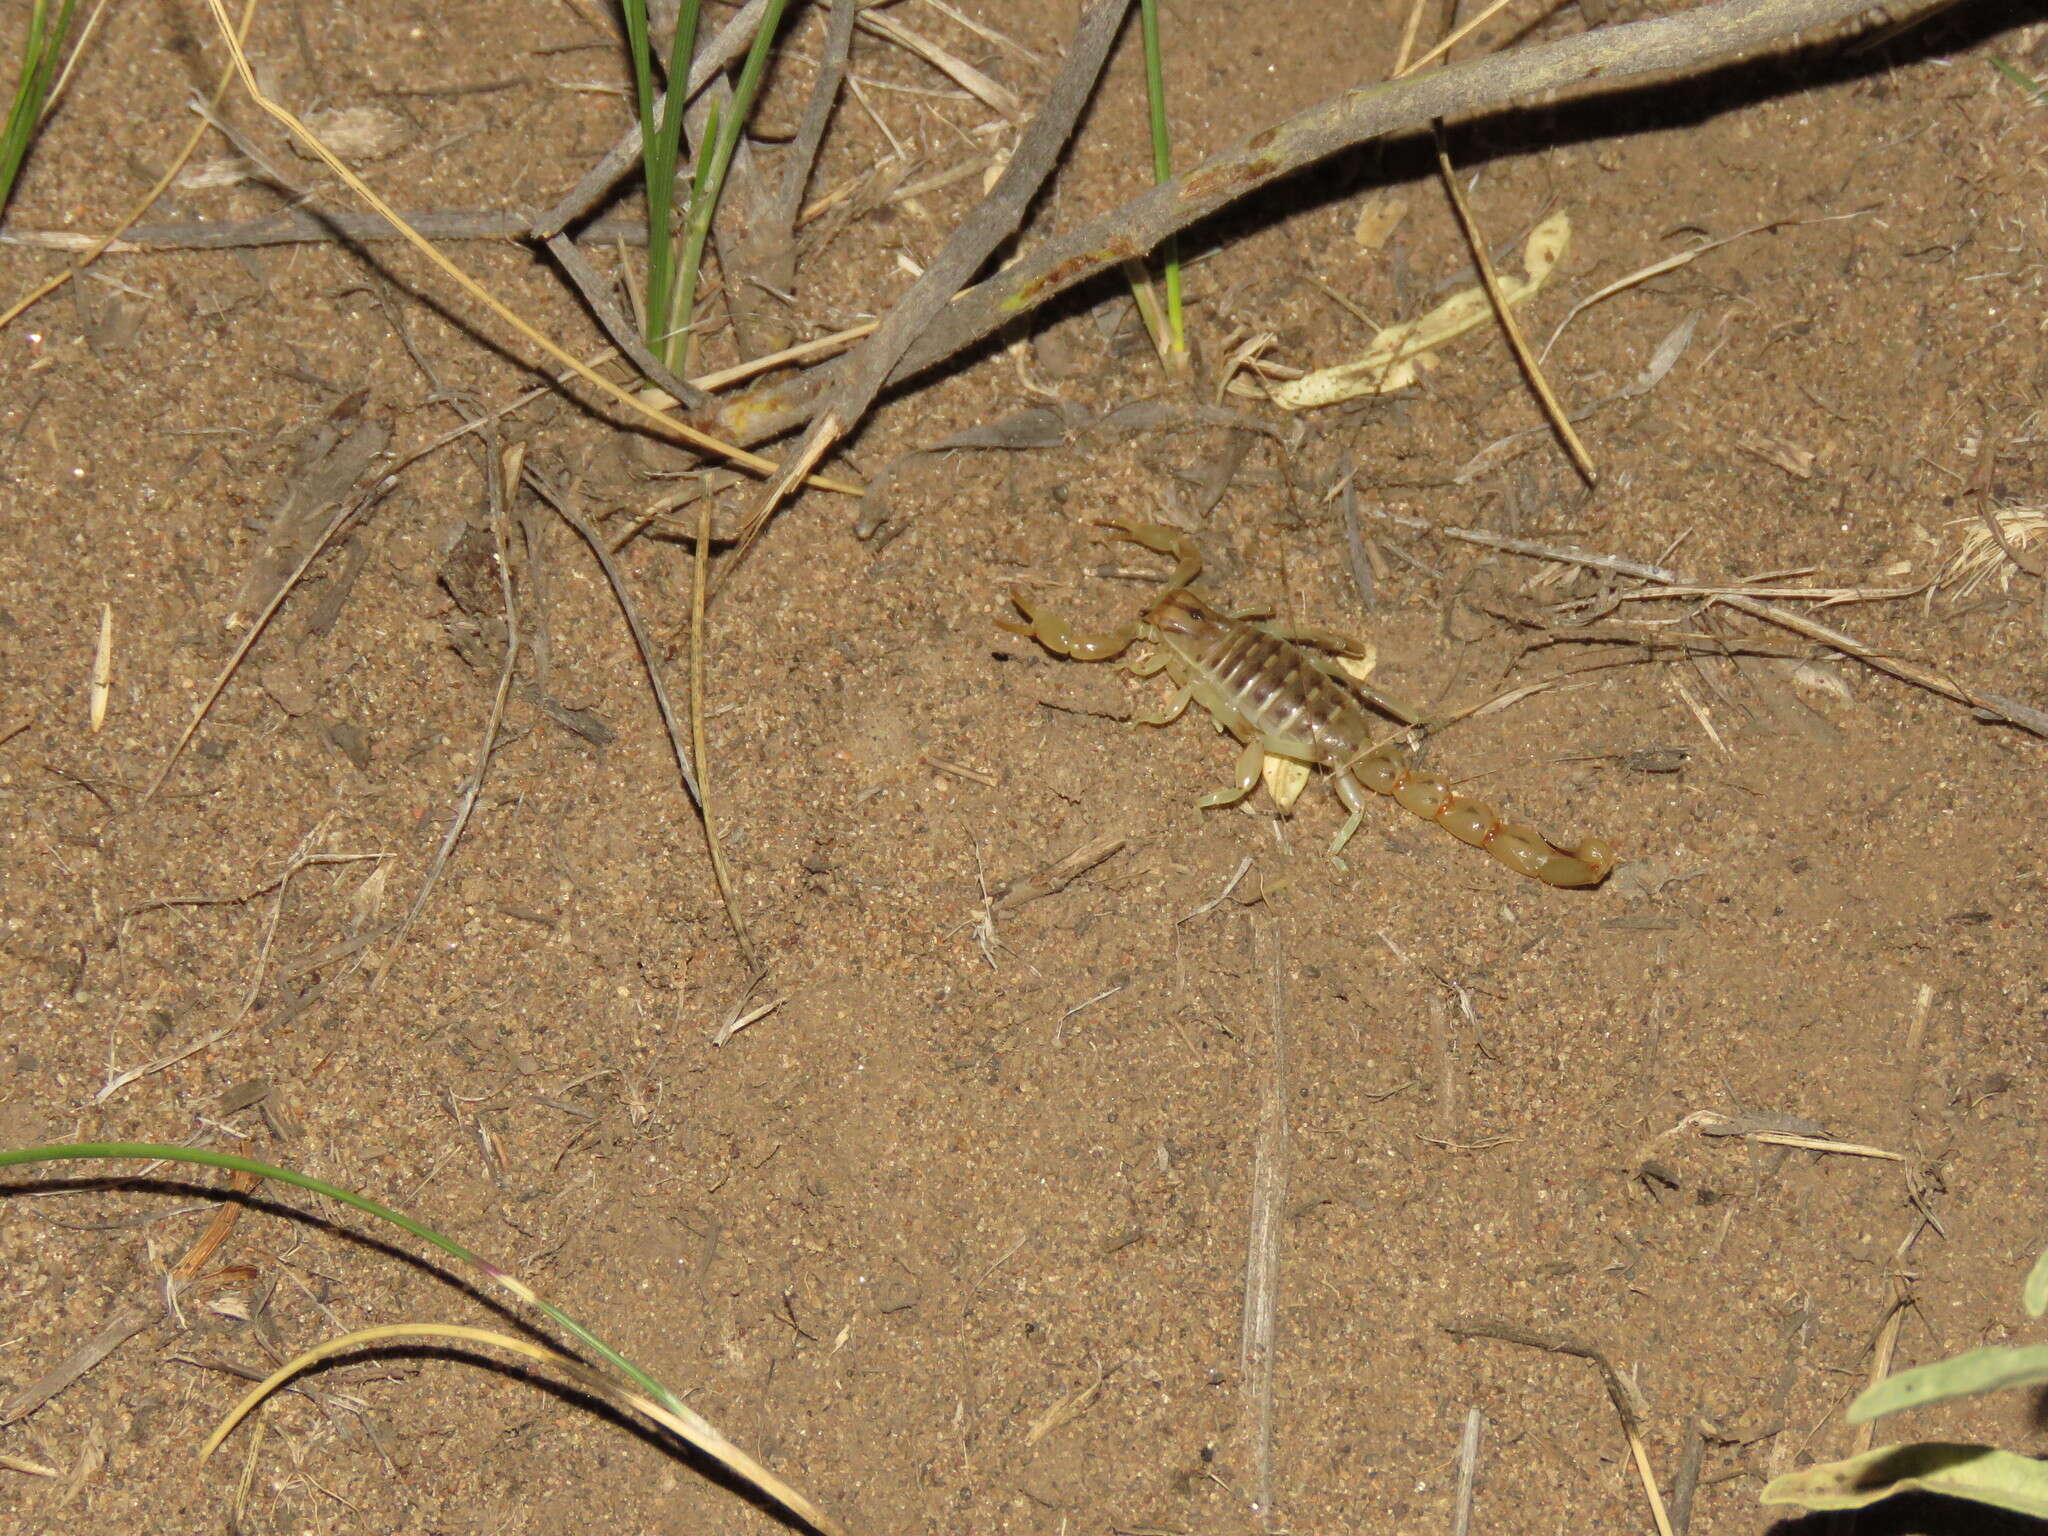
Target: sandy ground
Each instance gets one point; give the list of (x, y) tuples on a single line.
[(956, 1235)]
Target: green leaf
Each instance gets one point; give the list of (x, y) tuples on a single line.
[(2035, 1293), (1974, 1472), (1969, 1374)]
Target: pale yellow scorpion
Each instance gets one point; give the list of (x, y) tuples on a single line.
[(1282, 701)]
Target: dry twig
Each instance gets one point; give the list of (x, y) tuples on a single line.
[(699, 567), (311, 226), (861, 376), (1468, 1474), (971, 80), (112, 1334), (624, 334), (1503, 312), (343, 516), (783, 208), (557, 498), (1262, 1247), (693, 437), (1618, 1391), (1988, 706), (96, 247), (502, 474), (1059, 875)]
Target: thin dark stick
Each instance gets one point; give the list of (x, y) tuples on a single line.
[(1554, 413), (1706, 35), (246, 148), (465, 806), (308, 226), (1617, 1392), (344, 515), (1556, 1344), (618, 327), (994, 219), (1687, 1483), (554, 498), (788, 200)]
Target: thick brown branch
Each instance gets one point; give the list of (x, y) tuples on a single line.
[(1710, 34)]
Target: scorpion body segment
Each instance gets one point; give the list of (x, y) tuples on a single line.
[(1283, 700)]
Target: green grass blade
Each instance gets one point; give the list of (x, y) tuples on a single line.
[(152, 1152), (1162, 169), (641, 52), (709, 181), (682, 47), (2022, 79), (40, 49), (661, 178), (691, 257), (660, 147)]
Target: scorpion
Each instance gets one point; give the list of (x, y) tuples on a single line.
[(1268, 686)]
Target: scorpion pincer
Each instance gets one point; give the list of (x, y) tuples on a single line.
[(1259, 683)]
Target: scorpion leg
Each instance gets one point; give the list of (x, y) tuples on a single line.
[(1376, 771), (1344, 832), (1184, 691), (1057, 635), (1171, 712), (1390, 705), (1246, 779)]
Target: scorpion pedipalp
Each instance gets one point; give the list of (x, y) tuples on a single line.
[(1058, 636), (1161, 540)]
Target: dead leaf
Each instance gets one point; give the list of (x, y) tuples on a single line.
[(1794, 460), (333, 458), (1401, 351), (1378, 217), (289, 687), (357, 134)]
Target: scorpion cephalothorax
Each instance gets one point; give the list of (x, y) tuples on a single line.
[(1261, 683)]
